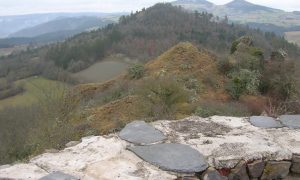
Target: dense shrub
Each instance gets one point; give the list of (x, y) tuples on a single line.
[(160, 98), (212, 108), (191, 83), (234, 46), (243, 82), (113, 93), (279, 80), (8, 89), (31, 129), (136, 71)]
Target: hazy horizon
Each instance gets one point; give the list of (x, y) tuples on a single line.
[(20, 7)]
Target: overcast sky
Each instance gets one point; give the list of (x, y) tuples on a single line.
[(11, 7)]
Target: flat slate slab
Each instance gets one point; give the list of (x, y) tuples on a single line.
[(59, 176), (265, 122), (291, 121), (139, 132), (172, 157)]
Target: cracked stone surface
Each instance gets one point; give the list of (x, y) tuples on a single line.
[(139, 132), (265, 122), (96, 157), (22, 171), (242, 140), (172, 157), (291, 121)]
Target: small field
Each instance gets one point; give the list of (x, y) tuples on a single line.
[(8, 51), (105, 70), (35, 88), (293, 36)]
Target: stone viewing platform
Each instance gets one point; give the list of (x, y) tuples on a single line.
[(215, 148)]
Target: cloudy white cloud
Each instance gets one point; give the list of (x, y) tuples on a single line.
[(9, 7)]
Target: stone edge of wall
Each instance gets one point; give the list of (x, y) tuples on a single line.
[(257, 169)]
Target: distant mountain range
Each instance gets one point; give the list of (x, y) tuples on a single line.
[(53, 31), (72, 24), (12, 24), (241, 11)]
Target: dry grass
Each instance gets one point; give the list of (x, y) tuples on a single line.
[(185, 59), (115, 114)]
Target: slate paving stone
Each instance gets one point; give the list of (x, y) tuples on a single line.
[(291, 121), (265, 122), (59, 176), (172, 157), (141, 133)]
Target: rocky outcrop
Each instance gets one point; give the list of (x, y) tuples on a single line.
[(222, 147)]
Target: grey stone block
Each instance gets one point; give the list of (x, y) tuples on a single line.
[(139, 132), (172, 157), (296, 164), (212, 174), (239, 172), (296, 158), (291, 121), (276, 170), (296, 167), (59, 176), (264, 122), (256, 168)]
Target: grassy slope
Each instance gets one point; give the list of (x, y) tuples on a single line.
[(185, 59), (114, 114), (34, 88)]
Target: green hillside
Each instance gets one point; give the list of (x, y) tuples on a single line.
[(35, 88)]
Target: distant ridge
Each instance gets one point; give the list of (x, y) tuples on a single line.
[(195, 2), (246, 6), (14, 23), (78, 24), (244, 12), (296, 12)]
